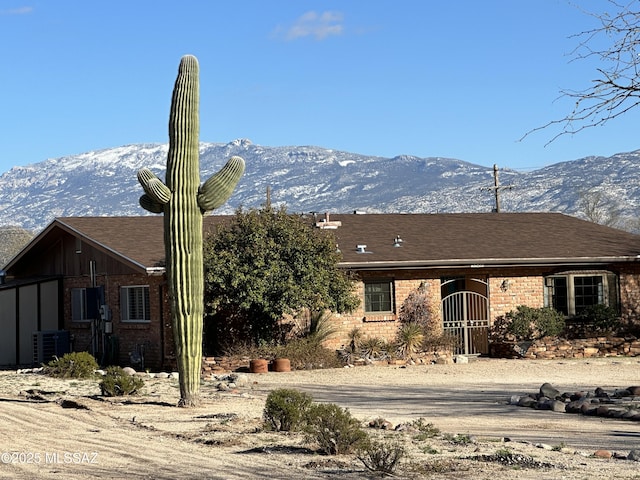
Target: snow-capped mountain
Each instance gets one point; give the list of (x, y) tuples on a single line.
[(309, 179)]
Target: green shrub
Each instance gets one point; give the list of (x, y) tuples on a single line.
[(602, 317), (380, 457), (285, 410), (117, 382), (528, 323), (334, 429), (72, 365), (425, 429)]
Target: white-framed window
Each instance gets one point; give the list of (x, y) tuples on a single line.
[(378, 296), (572, 292), (79, 305), (134, 303)]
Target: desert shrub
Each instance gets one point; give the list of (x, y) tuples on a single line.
[(372, 348), (441, 340), (601, 317), (285, 410), (116, 382), (333, 429), (527, 323), (319, 326), (72, 365), (305, 354), (380, 457), (418, 308), (425, 429), (409, 339)]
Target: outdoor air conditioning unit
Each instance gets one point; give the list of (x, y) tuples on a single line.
[(50, 344)]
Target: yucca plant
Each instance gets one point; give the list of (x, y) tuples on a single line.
[(409, 339)]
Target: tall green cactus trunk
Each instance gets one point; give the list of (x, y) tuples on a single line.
[(183, 202), (183, 230)]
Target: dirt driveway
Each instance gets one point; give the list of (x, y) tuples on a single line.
[(473, 398)]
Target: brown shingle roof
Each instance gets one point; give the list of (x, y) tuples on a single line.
[(488, 238), (428, 239)]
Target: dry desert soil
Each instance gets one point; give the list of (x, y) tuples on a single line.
[(64, 429)]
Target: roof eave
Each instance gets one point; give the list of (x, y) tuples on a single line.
[(487, 262)]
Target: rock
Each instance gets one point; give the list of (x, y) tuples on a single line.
[(444, 361), (635, 391), (544, 446), (174, 375), (622, 393), (515, 399), (588, 409), (602, 453), (527, 401), (381, 423), (558, 406), (577, 396), (546, 390), (542, 404), (577, 405), (461, 359), (239, 379), (129, 371), (634, 455), (601, 393)]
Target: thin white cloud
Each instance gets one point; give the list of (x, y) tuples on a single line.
[(17, 11), (317, 25)]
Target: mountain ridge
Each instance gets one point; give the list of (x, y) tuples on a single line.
[(310, 178)]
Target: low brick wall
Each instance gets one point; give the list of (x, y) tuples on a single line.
[(549, 348)]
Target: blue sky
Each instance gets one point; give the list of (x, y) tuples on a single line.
[(463, 79)]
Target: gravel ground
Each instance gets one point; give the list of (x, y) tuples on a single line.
[(64, 429)]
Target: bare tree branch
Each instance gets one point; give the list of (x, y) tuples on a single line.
[(617, 88)]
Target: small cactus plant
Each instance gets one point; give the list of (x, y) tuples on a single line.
[(183, 201)]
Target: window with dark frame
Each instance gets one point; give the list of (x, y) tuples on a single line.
[(378, 296), (588, 291), (573, 292), (79, 305), (134, 303)]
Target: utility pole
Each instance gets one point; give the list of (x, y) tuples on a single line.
[(496, 188)]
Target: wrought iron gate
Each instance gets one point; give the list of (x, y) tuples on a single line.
[(465, 315)]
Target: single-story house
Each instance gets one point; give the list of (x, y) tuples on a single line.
[(101, 279)]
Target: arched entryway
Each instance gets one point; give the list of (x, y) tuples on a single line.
[(465, 313)]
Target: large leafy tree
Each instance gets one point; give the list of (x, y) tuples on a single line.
[(264, 264)]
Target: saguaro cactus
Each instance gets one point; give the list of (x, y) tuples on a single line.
[(184, 201)]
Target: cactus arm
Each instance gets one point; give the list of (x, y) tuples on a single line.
[(150, 204), (219, 187), (153, 186)]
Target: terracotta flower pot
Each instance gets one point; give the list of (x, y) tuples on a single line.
[(281, 365), (258, 365)]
